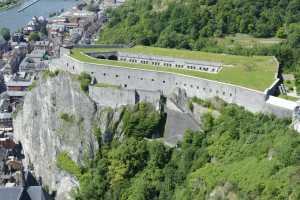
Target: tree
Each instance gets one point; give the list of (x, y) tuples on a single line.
[(5, 32), (34, 36), (281, 33), (294, 35)]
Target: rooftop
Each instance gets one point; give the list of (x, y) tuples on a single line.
[(255, 72)]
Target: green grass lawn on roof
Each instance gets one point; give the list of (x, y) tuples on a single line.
[(255, 72)]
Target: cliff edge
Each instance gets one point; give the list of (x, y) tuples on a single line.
[(56, 117)]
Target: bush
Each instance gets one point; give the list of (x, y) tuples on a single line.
[(142, 121), (67, 118), (5, 32), (85, 80), (64, 162), (191, 106), (34, 36), (51, 74), (33, 85)]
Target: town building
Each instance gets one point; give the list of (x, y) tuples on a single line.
[(6, 122), (35, 61)]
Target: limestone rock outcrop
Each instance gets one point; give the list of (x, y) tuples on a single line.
[(56, 117)]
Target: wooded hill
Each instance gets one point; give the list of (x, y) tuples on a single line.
[(195, 24)]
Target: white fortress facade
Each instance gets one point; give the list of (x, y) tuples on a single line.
[(160, 61)]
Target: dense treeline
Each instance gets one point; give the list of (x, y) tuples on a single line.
[(238, 155), (191, 24)]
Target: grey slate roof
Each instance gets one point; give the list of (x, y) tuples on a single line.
[(36, 193), (19, 193), (11, 193)]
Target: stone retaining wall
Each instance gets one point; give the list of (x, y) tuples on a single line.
[(139, 79)]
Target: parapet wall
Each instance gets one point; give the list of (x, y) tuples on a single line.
[(139, 79)]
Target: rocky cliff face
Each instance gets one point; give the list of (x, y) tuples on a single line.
[(56, 116)]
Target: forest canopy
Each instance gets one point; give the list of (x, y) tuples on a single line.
[(194, 24), (239, 155)]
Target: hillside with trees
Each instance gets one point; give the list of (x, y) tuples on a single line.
[(238, 155), (195, 24)]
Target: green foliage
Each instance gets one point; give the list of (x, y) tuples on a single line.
[(51, 74), (250, 156), (106, 85), (214, 103), (85, 80), (67, 117), (195, 25), (191, 106), (281, 33), (297, 82), (98, 134), (33, 85), (142, 121), (176, 23), (294, 35), (8, 3), (5, 33), (64, 162), (34, 36)]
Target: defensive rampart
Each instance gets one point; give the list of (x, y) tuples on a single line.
[(252, 100)]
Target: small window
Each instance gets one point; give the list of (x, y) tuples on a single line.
[(223, 93), (164, 81), (125, 85), (230, 94), (117, 75), (152, 80), (141, 79), (104, 74), (128, 77), (197, 87), (191, 86)]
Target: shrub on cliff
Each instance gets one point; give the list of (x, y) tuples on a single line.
[(47, 73), (67, 117), (65, 162), (85, 80)]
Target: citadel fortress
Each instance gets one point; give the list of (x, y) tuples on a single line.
[(165, 70)]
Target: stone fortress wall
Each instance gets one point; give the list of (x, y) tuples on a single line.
[(160, 61), (114, 97), (166, 83)]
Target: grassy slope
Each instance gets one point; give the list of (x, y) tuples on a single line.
[(253, 72), (246, 41)]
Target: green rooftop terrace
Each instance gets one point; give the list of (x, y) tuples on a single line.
[(255, 72)]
